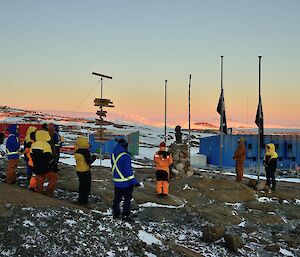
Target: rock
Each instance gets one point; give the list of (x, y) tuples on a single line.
[(273, 248), (179, 167), (189, 173), (233, 242), (252, 183), (212, 234), (175, 171)]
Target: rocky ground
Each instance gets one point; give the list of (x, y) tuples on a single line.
[(204, 215)]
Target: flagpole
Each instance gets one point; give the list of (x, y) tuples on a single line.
[(259, 111), (166, 111), (221, 121), (189, 140)]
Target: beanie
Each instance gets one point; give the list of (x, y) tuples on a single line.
[(123, 143), (162, 146)]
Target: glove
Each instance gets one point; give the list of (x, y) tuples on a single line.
[(140, 184), (94, 157)]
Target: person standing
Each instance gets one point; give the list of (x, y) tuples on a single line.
[(29, 139), (12, 153), (240, 157), (55, 144), (42, 158), (162, 160), (270, 163), (83, 166), (123, 179)]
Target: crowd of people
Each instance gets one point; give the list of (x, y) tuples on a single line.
[(42, 150)]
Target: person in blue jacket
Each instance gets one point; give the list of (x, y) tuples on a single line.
[(12, 153), (123, 178)]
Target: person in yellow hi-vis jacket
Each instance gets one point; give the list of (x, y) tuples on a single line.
[(270, 163), (84, 159), (162, 160), (123, 178)]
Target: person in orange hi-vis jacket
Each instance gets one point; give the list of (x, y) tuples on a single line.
[(162, 160)]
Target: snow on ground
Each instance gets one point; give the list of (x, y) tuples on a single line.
[(148, 238), (155, 205)]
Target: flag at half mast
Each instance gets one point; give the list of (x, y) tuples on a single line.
[(220, 108), (259, 121)]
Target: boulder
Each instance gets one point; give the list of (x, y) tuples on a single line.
[(212, 233), (273, 248), (233, 242)]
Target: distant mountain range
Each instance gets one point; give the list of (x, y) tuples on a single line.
[(11, 114)]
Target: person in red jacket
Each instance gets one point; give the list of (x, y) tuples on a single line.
[(162, 160)]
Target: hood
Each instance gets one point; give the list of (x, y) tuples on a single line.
[(51, 128), (119, 149), (241, 140), (82, 142), (12, 129), (42, 135), (28, 132), (270, 150)]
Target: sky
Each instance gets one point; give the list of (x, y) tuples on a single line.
[(49, 50)]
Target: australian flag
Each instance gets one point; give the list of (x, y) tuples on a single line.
[(259, 121), (220, 107)]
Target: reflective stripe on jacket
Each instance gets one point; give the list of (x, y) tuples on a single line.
[(121, 167), (115, 167), (12, 147)]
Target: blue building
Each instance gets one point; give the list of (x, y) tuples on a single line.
[(287, 147), (107, 146)]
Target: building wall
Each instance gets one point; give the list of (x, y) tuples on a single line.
[(287, 147), (22, 128)]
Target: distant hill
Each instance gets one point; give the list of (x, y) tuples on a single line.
[(205, 125)]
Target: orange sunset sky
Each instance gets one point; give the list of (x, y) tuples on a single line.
[(49, 50)]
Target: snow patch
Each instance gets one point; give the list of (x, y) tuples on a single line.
[(155, 205), (70, 222), (110, 253), (186, 187), (150, 254), (286, 252), (264, 199), (28, 223), (242, 224), (148, 238)]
